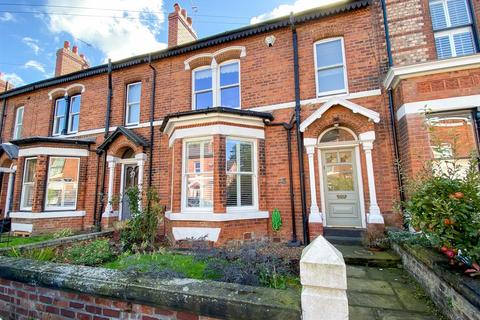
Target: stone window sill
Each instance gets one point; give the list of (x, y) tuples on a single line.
[(47, 214), (183, 216)]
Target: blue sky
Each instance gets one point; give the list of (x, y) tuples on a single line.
[(31, 31)]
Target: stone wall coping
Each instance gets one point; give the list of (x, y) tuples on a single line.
[(207, 298), (468, 287)]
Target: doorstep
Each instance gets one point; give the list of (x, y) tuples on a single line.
[(359, 256)]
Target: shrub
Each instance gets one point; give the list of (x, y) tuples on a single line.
[(67, 232), (89, 254), (375, 239), (140, 231), (44, 254)]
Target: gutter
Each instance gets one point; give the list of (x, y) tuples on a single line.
[(299, 134), (2, 117)]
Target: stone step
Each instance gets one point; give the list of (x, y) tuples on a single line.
[(344, 240), (359, 256)]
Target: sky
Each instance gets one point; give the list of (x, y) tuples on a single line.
[(31, 31)]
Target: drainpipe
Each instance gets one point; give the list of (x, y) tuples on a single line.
[(476, 38), (152, 109), (2, 117), (299, 135), (391, 104), (288, 128), (105, 136)]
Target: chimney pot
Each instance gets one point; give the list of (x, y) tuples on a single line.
[(66, 44), (82, 56), (176, 6), (189, 20), (75, 49), (184, 12)]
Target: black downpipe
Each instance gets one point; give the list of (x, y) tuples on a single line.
[(104, 153), (391, 105), (299, 135), (288, 128), (67, 115), (152, 112), (4, 107), (476, 38)]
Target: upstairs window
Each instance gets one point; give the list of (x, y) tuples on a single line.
[(240, 173), (217, 86), (133, 104), (330, 66), (28, 184), (17, 130), (452, 26), (66, 118), (62, 183)]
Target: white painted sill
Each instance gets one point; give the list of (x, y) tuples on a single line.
[(47, 214), (248, 215)]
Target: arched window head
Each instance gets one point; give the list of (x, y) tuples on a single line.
[(337, 135)]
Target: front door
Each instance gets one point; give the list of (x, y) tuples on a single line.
[(341, 188), (130, 179)]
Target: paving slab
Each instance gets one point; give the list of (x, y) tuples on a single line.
[(377, 301), (369, 286), (358, 255)]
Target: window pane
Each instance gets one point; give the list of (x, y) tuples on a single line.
[(340, 178), (232, 188), (246, 157), (246, 188), (134, 93), (203, 79), (207, 156), (19, 115), (200, 190), (199, 179), (30, 170), (230, 97), (203, 100), (27, 195), (60, 109), (463, 43), (75, 104), (193, 156), (458, 12), (443, 47), (231, 154), (74, 123), (331, 80), (62, 182), (229, 74), (437, 13), (337, 135), (329, 53), (133, 113)]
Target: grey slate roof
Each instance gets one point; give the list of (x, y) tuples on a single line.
[(132, 136)]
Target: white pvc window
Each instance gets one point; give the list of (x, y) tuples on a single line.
[(132, 116), (74, 114), (217, 85), (62, 183), (241, 179), (17, 131), (198, 178), (59, 117), (28, 183), (452, 26), (330, 67)]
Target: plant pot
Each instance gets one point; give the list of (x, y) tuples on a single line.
[(375, 249)]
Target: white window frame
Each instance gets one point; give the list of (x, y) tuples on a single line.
[(17, 130), (216, 88), (55, 118), (71, 114), (254, 207), (345, 73), (61, 208), (451, 31), (128, 104), (22, 198), (184, 199)]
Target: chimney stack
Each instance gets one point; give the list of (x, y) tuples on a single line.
[(3, 84), (180, 28), (69, 61)]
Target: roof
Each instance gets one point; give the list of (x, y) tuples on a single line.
[(10, 149), (132, 136), (220, 38), (240, 112), (38, 139)]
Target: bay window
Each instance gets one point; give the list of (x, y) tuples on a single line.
[(198, 175), (240, 173), (452, 26), (66, 116), (28, 183), (330, 67), (62, 183), (17, 131), (217, 85), (132, 116)]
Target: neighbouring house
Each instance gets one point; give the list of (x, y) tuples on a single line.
[(307, 114)]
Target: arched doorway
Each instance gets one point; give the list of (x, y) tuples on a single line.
[(128, 180), (340, 178)]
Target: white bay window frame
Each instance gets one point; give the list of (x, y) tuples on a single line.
[(239, 207), (343, 64), (62, 207), (23, 207), (216, 88), (19, 114)]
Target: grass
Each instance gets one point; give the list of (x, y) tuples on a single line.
[(16, 241), (176, 262)]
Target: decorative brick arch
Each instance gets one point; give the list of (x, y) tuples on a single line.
[(121, 145), (121, 140)]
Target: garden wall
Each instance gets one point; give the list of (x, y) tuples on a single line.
[(44, 290), (458, 296)]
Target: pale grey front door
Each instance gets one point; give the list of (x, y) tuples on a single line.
[(341, 188)]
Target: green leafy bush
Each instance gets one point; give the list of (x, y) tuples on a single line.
[(89, 254), (44, 254), (67, 232)]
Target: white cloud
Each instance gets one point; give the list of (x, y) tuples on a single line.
[(6, 16), (122, 34), (35, 65), (297, 6), (13, 78), (32, 44)]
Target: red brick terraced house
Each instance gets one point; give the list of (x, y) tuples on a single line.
[(307, 114)]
